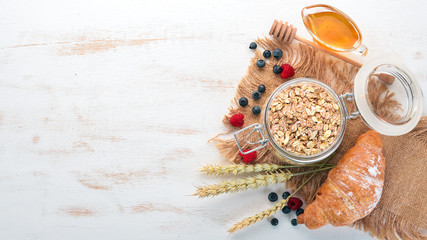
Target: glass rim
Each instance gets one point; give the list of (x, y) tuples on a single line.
[(367, 114)]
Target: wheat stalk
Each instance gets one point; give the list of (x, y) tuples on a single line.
[(242, 184), (267, 213), (260, 216), (236, 169), (248, 183)]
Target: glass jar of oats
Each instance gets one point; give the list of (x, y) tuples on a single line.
[(303, 122), (304, 119)]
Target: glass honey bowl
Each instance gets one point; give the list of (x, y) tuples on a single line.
[(333, 29)]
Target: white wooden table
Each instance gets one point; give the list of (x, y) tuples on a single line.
[(106, 107)]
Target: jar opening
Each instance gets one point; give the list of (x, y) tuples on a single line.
[(388, 97), (389, 93), (304, 120)]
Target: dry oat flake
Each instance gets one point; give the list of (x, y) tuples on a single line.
[(304, 119)]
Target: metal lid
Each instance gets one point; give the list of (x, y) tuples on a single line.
[(388, 97)]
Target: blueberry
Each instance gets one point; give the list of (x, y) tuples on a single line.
[(252, 45), (266, 54), (261, 88), (260, 63), (256, 95), (277, 53), (299, 211), (294, 222), (272, 197), (277, 69), (286, 210), (285, 195), (256, 110), (274, 221), (243, 101)]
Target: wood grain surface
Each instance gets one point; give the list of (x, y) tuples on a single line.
[(106, 108)]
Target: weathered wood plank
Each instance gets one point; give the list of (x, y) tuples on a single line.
[(106, 108)]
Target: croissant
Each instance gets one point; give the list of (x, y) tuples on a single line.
[(352, 189)]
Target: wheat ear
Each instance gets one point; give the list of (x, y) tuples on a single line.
[(236, 169), (267, 213), (242, 184), (248, 183), (260, 216)]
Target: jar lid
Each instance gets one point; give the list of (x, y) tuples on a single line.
[(388, 97)]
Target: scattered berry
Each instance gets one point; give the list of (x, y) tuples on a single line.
[(252, 45), (237, 120), (256, 95), (277, 69), (294, 203), (260, 63), (299, 211), (243, 101), (287, 71), (277, 53), (286, 210), (256, 110), (294, 222), (285, 195), (261, 88), (247, 158), (274, 221), (272, 197), (266, 54)]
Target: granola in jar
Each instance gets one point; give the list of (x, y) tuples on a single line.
[(304, 119)]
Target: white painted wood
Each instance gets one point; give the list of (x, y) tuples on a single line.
[(106, 107)]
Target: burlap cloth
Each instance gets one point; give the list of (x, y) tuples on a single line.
[(402, 210)]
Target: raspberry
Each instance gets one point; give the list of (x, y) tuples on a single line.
[(294, 203), (247, 158), (287, 72), (237, 120)]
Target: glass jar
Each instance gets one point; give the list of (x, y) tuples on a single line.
[(386, 97)]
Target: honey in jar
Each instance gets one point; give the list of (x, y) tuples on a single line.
[(332, 28)]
